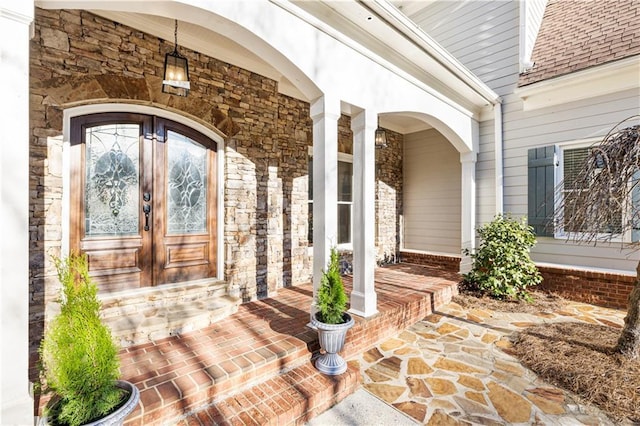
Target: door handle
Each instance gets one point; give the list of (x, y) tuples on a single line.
[(146, 209)]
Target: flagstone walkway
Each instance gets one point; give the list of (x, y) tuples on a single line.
[(455, 368)]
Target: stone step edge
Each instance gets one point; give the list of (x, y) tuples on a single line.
[(160, 323), (293, 397), (123, 303)]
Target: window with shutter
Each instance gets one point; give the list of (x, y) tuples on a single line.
[(573, 161)]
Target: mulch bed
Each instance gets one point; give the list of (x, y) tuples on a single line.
[(575, 356), (542, 302)]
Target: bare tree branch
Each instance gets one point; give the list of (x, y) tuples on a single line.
[(602, 202), (598, 203)]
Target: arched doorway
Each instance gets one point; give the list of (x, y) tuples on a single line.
[(143, 200)]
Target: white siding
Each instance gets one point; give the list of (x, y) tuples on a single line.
[(485, 36), (432, 195), (482, 34), (575, 121), (485, 175)]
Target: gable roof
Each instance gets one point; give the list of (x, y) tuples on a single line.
[(579, 34)]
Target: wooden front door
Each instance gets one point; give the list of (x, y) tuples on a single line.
[(143, 200)]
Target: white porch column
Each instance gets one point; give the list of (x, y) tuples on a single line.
[(16, 404), (363, 296), (324, 113), (468, 161)]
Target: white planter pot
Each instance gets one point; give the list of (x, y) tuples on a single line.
[(331, 337), (117, 417)]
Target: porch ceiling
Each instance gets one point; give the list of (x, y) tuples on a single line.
[(381, 29)]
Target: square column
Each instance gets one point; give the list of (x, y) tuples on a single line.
[(325, 113), (16, 403), (468, 161), (363, 297)]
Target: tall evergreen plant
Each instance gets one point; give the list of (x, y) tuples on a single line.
[(79, 358), (331, 298)]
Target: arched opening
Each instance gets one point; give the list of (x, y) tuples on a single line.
[(429, 204)]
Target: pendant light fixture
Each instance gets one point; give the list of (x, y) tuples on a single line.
[(176, 71), (381, 137)]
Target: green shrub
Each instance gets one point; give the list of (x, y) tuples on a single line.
[(502, 266), (79, 358), (331, 299)]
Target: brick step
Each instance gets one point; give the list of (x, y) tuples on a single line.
[(154, 313), (179, 374), (294, 397), (263, 341)]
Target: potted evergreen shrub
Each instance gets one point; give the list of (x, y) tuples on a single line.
[(331, 320), (79, 361)]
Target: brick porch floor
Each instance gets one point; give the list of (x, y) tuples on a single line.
[(254, 367)]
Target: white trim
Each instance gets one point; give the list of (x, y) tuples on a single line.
[(340, 37), (72, 112), (499, 161), (468, 207), (416, 35), (596, 81), (21, 17)]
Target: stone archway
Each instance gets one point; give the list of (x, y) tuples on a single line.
[(61, 92)]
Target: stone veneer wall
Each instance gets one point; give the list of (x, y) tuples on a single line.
[(80, 58), (389, 198)]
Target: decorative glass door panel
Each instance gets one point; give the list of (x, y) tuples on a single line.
[(112, 181), (143, 200), (186, 185), (185, 245)]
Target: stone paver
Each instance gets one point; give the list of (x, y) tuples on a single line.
[(455, 367)]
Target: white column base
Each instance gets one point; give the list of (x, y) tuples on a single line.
[(363, 306)]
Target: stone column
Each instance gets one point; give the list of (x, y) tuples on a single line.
[(325, 112), (468, 161), (16, 403), (363, 297)]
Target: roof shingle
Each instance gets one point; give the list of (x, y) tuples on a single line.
[(578, 34)]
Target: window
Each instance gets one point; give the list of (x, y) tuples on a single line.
[(549, 167), (572, 162), (345, 199)]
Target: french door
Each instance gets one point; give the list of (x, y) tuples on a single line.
[(143, 200)]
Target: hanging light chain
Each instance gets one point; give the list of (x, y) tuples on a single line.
[(175, 37)]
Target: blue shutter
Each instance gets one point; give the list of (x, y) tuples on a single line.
[(542, 164)]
